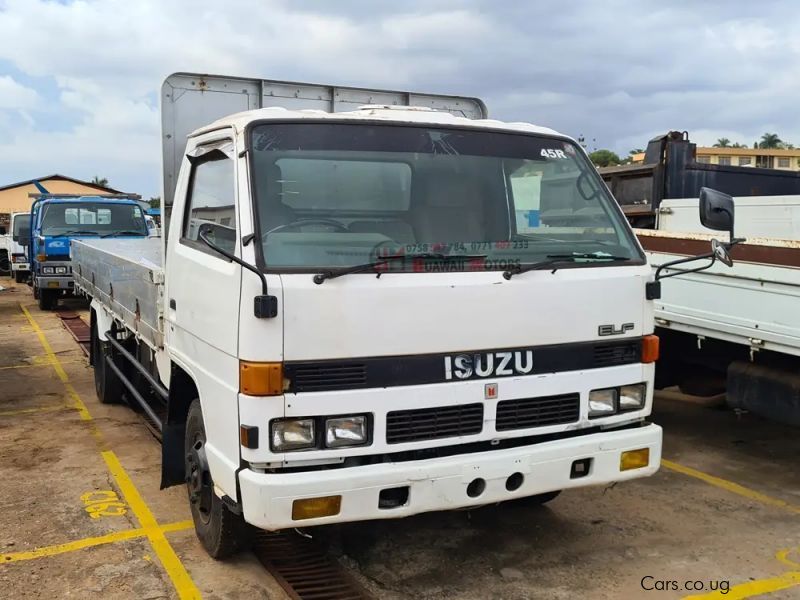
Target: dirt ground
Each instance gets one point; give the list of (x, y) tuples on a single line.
[(724, 511)]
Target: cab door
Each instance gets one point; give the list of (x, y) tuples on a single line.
[(203, 291)]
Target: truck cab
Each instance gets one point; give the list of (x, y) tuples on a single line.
[(18, 244), (58, 219)]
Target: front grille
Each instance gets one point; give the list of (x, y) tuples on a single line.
[(537, 412), (619, 353), (433, 423), (338, 376)]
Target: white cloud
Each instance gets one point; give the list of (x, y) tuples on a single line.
[(16, 95), (618, 72)]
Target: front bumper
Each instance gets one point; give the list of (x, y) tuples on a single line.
[(20, 266), (441, 483), (60, 282)]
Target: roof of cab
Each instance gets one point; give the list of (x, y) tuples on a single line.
[(393, 114), (103, 199)]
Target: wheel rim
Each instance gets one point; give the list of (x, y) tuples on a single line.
[(199, 480)]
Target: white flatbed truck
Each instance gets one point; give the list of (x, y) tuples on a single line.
[(373, 313)]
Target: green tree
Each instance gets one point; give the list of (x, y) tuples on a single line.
[(155, 202), (101, 181), (723, 143), (770, 140), (604, 158)]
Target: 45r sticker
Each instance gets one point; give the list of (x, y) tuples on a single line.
[(103, 503), (552, 153)]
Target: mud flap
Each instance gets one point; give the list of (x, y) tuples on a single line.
[(172, 459), (770, 392)]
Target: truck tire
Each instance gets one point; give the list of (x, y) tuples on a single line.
[(221, 531), (35, 292), (106, 383), (19, 276), (48, 299)]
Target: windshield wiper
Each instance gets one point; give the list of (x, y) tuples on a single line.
[(76, 232), (320, 277), (558, 259), (125, 232)]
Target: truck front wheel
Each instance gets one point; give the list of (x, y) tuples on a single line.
[(48, 299), (19, 276), (221, 531)]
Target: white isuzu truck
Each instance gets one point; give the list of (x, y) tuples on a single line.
[(370, 304)]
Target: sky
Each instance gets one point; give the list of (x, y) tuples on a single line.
[(79, 80)]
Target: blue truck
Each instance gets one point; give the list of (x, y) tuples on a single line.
[(57, 219)]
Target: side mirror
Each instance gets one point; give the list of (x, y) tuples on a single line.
[(716, 210), (23, 236)]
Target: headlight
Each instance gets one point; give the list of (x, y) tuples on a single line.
[(603, 403), (293, 434), (47, 270), (632, 397), (345, 431), (61, 270)]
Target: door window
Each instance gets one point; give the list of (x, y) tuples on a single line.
[(211, 202)]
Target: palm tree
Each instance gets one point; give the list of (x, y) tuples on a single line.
[(770, 140), (101, 181), (723, 143)]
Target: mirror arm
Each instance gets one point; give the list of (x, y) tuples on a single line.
[(681, 261), (266, 306)]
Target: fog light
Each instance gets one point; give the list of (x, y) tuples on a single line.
[(293, 434), (631, 397), (634, 459), (603, 403), (314, 508), (345, 431)]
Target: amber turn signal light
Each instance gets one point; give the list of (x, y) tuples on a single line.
[(634, 459), (260, 379), (649, 349), (314, 508)]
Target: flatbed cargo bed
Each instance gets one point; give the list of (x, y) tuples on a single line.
[(126, 276)]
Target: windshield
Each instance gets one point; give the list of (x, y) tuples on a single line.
[(86, 218), (332, 195), (20, 221)]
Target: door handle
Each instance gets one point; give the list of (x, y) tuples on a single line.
[(172, 304)]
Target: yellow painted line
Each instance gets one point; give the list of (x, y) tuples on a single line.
[(28, 411), (753, 588), (183, 583), (730, 486), (783, 556), (62, 375), (110, 538), (172, 564)]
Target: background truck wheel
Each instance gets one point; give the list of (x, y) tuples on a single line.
[(35, 293), (221, 531), (19, 276), (48, 299), (106, 383)]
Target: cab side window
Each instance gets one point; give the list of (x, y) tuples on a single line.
[(211, 203)]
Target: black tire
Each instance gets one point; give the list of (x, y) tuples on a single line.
[(19, 276), (35, 292), (540, 499), (48, 299), (703, 386), (221, 531), (106, 383)]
